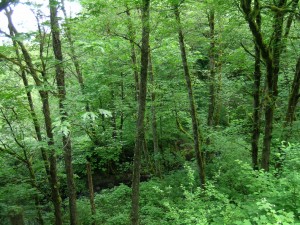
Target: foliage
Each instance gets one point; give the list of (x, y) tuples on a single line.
[(102, 108)]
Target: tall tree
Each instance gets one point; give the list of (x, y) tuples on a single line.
[(44, 95), (256, 97), (140, 131), (212, 70), (271, 56), (193, 111), (131, 34), (294, 96), (60, 81), (153, 117)]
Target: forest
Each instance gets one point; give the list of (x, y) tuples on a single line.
[(151, 112)]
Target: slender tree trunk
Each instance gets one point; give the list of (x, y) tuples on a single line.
[(140, 132), (193, 112), (272, 80), (122, 113), (60, 81), (256, 110), (218, 86), (212, 68), (52, 158), (154, 120), (73, 53), (114, 117), (35, 121), (53, 180), (133, 52), (91, 129), (256, 101), (294, 97), (271, 56), (91, 190)]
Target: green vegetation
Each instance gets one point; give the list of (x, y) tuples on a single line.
[(150, 112)]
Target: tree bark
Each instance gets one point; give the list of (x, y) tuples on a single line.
[(73, 53), (256, 99), (133, 52), (193, 112), (53, 180), (140, 132), (60, 81), (294, 97), (256, 109), (122, 118), (272, 80), (91, 190), (271, 56), (212, 68), (154, 120), (33, 114)]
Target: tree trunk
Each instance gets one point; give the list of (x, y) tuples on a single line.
[(272, 80), (91, 190), (271, 56), (122, 113), (193, 112), (154, 120), (53, 180), (60, 81), (73, 53), (256, 109), (35, 121), (133, 52), (294, 97), (212, 68), (256, 101), (140, 132)]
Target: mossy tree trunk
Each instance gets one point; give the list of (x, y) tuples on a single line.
[(140, 131), (193, 112), (294, 97), (91, 190), (156, 151), (256, 99), (271, 56), (212, 70), (60, 81), (44, 95), (294, 94), (131, 34)]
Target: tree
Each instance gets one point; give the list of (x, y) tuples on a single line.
[(140, 130), (212, 69), (193, 112), (60, 81), (256, 97), (271, 56), (44, 95)]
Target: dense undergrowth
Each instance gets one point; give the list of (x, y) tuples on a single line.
[(235, 194)]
